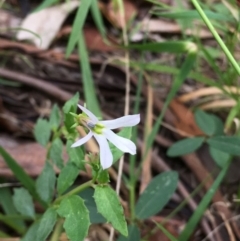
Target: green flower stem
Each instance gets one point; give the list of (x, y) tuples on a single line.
[(216, 36), (57, 230), (74, 191)]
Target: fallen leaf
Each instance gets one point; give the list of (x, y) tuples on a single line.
[(43, 26), (113, 14)]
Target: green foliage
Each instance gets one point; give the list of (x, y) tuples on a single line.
[(87, 196), (185, 146), (46, 182), (70, 106), (76, 215), (156, 195), (67, 177), (77, 25), (55, 153), (197, 215), (20, 174), (133, 234), (42, 131), (110, 207), (46, 224), (32, 232), (228, 144), (76, 155), (23, 202), (88, 84), (206, 122), (220, 157), (55, 118)]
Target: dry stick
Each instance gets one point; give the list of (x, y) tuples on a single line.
[(146, 169), (127, 93)]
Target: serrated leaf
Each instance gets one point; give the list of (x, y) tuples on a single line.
[(117, 154), (55, 118), (87, 196), (23, 202), (228, 144), (46, 182), (71, 103), (156, 195), (42, 132), (67, 177), (220, 157), (133, 234), (76, 215), (185, 146), (76, 155), (56, 152), (205, 121), (46, 225), (109, 206), (32, 232)]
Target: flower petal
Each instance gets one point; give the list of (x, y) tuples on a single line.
[(106, 157), (89, 113), (121, 143), (82, 140), (125, 121)]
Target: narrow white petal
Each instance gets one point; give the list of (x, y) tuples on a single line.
[(121, 143), (106, 157), (82, 140), (125, 121), (89, 113)]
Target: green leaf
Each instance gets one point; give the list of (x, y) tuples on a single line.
[(55, 118), (8, 207), (87, 196), (21, 175), (76, 217), (46, 225), (220, 157), (109, 206), (219, 126), (67, 177), (72, 103), (117, 154), (46, 182), (133, 234), (23, 202), (32, 232), (70, 106), (42, 132), (205, 121), (156, 195), (56, 153), (77, 25), (185, 146), (228, 144), (88, 84), (76, 155)]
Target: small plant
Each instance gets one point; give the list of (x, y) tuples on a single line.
[(75, 207)]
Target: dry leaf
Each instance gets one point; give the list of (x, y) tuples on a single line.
[(113, 14), (43, 26)]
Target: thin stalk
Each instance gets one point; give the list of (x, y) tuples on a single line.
[(57, 231), (74, 191), (216, 36)]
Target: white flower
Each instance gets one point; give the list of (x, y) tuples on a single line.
[(102, 131)]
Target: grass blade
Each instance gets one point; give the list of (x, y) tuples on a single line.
[(88, 84), (78, 25), (192, 223)]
